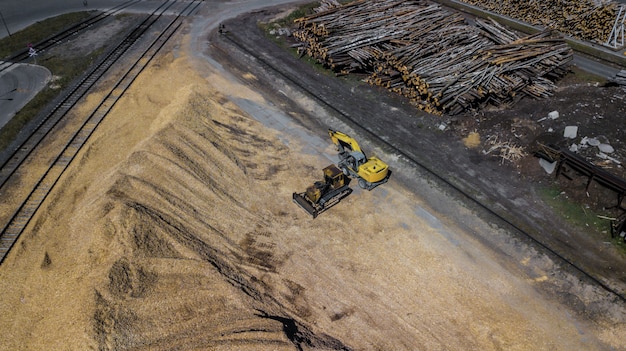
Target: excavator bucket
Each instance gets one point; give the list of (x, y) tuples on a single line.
[(301, 201)]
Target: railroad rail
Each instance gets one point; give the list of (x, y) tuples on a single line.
[(79, 136), (420, 165), (58, 38), (74, 94)]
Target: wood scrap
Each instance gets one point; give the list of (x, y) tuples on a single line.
[(506, 150)]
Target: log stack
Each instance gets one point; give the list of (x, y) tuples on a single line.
[(590, 20), (433, 56)]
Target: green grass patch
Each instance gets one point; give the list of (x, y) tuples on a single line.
[(300, 12), (40, 31), (581, 216), (66, 69), (576, 213)]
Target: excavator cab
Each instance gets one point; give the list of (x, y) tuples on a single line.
[(370, 172)]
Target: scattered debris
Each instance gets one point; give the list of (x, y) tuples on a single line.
[(553, 115), (606, 148), (570, 132), (603, 147), (590, 141), (547, 165), (506, 150), (282, 31), (604, 156), (472, 140)]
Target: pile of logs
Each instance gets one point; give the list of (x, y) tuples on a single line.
[(590, 20), (433, 56)]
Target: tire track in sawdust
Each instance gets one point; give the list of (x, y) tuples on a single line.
[(184, 208)]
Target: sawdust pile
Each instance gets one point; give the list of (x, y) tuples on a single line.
[(472, 140), (175, 230)]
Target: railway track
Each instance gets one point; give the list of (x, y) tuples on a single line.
[(67, 101), (58, 38), (375, 137), (130, 49)]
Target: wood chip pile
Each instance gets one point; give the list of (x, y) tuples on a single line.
[(433, 56), (590, 20)]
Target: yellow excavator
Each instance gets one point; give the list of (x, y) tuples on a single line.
[(322, 195), (370, 172)]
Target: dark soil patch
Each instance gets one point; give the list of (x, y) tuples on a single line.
[(591, 105)]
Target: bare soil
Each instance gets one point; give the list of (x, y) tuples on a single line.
[(591, 104), (174, 227)]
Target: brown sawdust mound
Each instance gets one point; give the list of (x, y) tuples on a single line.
[(174, 229)]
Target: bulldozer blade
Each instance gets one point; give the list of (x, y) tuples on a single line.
[(302, 202)]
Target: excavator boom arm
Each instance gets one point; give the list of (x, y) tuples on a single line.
[(352, 160), (343, 141)]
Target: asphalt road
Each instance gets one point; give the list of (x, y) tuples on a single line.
[(18, 15), (18, 84)]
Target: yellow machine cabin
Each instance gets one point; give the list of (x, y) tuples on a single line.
[(370, 172)]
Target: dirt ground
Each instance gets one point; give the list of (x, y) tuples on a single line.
[(174, 229), (591, 104)]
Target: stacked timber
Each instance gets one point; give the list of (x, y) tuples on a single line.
[(590, 20), (433, 56)]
